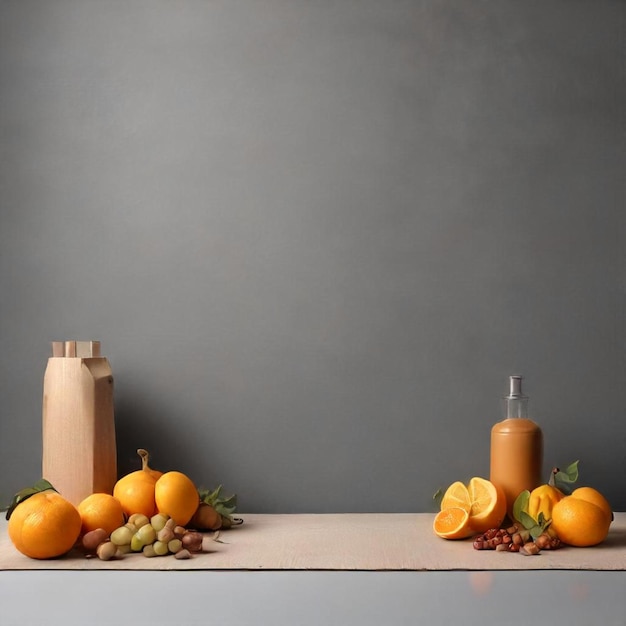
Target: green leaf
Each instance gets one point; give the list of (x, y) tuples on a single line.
[(24, 494), (526, 520), (225, 506), (520, 505), (519, 510), (565, 479), (438, 496), (572, 471), (210, 497), (230, 502), (225, 510), (541, 526)]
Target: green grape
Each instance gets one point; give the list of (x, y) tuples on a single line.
[(147, 534), (136, 544), (158, 521), (138, 520), (174, 545), (122, 536)]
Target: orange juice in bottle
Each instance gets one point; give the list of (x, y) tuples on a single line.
[(516, 447)]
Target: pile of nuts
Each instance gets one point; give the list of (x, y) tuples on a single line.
[(515, 539)]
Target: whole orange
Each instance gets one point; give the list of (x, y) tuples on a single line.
[(135, 491), (579, 522), (44, 526), (593, 495), (101, 510), (177, 496)]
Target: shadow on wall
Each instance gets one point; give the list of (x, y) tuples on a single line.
[(140, 423)]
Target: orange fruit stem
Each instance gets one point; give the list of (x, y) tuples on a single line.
[(145, 458)]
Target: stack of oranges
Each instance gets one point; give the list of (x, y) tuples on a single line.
[(583, 518), (149, 491), (46, 525)]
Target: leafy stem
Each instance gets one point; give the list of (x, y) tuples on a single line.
[(564, 480), (225, 506), (24, 494), (534, 527)]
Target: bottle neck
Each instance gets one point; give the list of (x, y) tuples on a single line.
[(516, 407)]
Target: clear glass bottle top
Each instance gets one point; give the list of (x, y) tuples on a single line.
[(516, 403)]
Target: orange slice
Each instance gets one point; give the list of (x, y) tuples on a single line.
[(456, 495), (452, 523), (488, 504)]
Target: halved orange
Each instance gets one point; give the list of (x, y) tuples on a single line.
[(456, 495), (452, 523), (488, 504), (484, 502)]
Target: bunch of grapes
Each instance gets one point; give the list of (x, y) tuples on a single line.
[(155, 536)]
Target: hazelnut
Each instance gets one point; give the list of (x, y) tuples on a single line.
[(93, 539), (529, 549), (183, 554), (106, 551)]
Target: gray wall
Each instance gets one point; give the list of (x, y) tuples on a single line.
[(315, 238)]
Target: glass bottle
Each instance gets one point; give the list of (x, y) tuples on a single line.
[(516, 447)]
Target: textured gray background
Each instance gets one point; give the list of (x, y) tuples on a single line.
[(315, 238)]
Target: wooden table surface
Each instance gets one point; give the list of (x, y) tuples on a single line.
[(348, 542)]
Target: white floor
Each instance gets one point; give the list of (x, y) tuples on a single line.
[(275, 598)]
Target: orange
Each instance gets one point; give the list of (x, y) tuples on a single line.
[(484, 502), (542, 500), (594, 496), (101, 510), (206, 517), (135, 491), (579, 522), (44, 526), (177, 496), (456, 495), (488, 504), (452, 523)]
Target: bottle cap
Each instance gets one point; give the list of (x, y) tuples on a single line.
[(515, 388)]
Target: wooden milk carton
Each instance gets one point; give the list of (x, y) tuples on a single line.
[(79, 452)]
